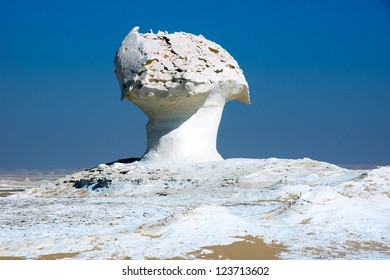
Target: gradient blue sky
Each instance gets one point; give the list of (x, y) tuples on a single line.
[(318, 71)]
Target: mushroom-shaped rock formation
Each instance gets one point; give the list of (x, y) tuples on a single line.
[(182, 82)]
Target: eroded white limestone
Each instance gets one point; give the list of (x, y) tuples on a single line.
[(182, 82), (315, 209)]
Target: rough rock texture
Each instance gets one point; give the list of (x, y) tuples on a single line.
[(304, 209), (182, 82)]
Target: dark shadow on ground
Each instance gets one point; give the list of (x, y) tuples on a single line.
[(124, 160)]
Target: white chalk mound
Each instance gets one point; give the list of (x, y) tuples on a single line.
[(182, 82), (301, 209)]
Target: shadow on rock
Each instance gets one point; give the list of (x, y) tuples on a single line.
[(124, 160), (93, 184)]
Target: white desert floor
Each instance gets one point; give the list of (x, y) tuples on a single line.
[(231, 209)]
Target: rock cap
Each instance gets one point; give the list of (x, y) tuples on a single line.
[(174, 66)]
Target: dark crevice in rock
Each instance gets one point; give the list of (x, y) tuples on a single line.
[(92, 183)]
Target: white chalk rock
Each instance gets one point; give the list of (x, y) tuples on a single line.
[(182, 82)]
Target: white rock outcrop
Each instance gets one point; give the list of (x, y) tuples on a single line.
[(301, 209), (182, 82)]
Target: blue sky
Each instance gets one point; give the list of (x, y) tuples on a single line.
[(318, 72)]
